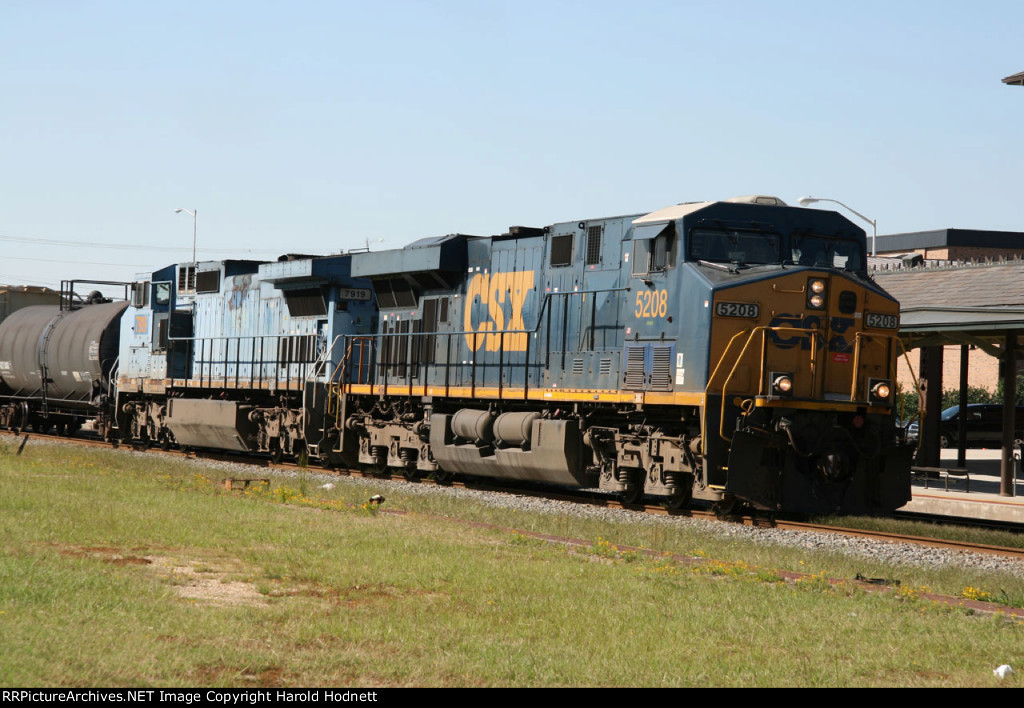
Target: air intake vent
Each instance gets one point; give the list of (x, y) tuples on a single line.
[(606, 367), (208, 281), (561, 250), (577, 367), (308, 302), (594, 245), (635, 368), (661, 369)]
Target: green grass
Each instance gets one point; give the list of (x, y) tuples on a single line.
[(135, 570)]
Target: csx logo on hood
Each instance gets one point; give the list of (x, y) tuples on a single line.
[(503, 294)]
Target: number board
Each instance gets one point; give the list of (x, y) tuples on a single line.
[(353, 294), (877, 320), (737, 309)]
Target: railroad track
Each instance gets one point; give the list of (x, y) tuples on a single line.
[(587, 497)]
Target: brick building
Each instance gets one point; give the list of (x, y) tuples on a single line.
[(953, 244)]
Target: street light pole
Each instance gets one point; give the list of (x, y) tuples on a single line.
[(805, 201), (194, 219)]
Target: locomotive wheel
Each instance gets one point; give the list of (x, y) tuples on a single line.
[(378, 468), (632, 494), (730, 506), (276, 453), (680, 500), (328, 459), (165, 442), (410, 473), (442, 476)]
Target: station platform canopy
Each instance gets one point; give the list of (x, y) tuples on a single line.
[(1015, 79), (957, 303), (976, 304)]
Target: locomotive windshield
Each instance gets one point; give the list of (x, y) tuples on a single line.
[(733, 246), (826, 252)]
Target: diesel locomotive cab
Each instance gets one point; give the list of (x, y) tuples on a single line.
[(800, 397)]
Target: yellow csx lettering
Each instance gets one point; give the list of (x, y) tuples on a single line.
[(495, 290)]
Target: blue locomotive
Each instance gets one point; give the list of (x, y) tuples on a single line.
[(236, 354), (731, 351)]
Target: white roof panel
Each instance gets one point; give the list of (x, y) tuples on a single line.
[(670, 213)]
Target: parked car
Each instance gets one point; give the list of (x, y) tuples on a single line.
[(984, 425)]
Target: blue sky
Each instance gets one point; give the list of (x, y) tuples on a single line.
[(321, 126)]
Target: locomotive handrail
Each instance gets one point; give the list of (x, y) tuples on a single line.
[(324, 358), (544, 308), (812, 333), (336, 380), (870, 336), (205, 366), (313, 372), (764, 329), (906, 357), (536, 328), (922, 409)]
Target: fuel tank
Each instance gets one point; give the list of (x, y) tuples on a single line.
[(76, 349)]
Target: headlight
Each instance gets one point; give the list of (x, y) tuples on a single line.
[(816, 293), (782, 383), (880, 389)]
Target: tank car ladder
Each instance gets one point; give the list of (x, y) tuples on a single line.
[(113, 394), (44, 370)]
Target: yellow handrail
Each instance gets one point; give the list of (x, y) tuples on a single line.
[(802, 332), (335, 382), (763, 330)]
